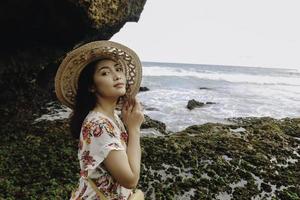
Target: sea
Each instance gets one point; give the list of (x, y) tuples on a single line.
[(234, 92)]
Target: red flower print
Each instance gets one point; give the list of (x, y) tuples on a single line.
[(98, 131), (83, 173), (109, 127), (113, 187), (124, 136), (114, 144), (103, 182), (87, 159), (86, 131)]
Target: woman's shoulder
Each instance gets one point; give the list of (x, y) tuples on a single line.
[(93, 121), (95, 127), (95, 117)]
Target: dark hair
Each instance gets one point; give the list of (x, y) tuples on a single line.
[(84, 99)]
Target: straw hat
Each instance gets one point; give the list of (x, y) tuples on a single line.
[(67, 75)]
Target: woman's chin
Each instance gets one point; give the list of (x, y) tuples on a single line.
[(122, 92)]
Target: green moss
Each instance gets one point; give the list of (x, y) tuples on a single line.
[(44, 157)]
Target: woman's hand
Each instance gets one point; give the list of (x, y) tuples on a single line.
[(132, 114)]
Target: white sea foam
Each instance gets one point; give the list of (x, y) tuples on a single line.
[(230, 77), (171, 87), (234, 101)]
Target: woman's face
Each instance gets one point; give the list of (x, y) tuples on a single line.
[(107, 74)]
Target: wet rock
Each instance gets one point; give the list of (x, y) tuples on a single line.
[(193, 104), (266, 187), (204, 88), (143, 89), (151, 109), (231, 167), (201, 162), (209, 102), (151, 123)]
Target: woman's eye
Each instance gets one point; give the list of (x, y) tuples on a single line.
[(120, 69), (104, 73)]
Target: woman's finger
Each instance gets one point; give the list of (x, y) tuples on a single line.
[(130, 107)]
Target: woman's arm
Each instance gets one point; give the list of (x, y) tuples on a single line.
[(134, 153), (125, 166)]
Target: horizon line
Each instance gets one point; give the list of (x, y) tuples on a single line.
[(185, 63)]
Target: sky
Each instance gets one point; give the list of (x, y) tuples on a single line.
[(254, 33)]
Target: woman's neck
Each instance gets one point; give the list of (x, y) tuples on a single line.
[(106, 107)]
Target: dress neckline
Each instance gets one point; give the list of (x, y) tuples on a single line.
[(117, 123)]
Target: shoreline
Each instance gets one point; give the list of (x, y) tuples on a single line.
[(57, 112)]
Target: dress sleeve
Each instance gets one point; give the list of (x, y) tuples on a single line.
[(99, 137)]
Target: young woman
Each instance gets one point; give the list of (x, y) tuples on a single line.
[(109, 149)]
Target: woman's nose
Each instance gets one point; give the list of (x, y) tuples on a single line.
[(116, 76)]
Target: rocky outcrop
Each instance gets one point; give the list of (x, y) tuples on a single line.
[(60, 23), (35, 36), (151, 123), (252, 158), (212, 161)]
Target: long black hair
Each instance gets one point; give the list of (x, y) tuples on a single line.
[(85, 100)]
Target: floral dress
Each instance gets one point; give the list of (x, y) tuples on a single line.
[(99, 135)]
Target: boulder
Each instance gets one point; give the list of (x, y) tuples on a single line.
[(143, 89), (193, 104)]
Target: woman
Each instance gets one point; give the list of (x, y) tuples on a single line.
[(109, 148)]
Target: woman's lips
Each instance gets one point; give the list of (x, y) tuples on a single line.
[(119, 85)]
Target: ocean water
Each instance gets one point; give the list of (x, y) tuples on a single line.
[(236, 92)]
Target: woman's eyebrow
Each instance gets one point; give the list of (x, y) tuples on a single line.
[(103, 67)]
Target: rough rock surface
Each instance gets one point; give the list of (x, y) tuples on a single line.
[(61, 23), (253, 158), (151, 123), (36, 35)]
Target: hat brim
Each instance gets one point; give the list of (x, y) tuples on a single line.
[(67, 75)]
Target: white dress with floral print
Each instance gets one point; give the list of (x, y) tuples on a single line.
[(99, 135)]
